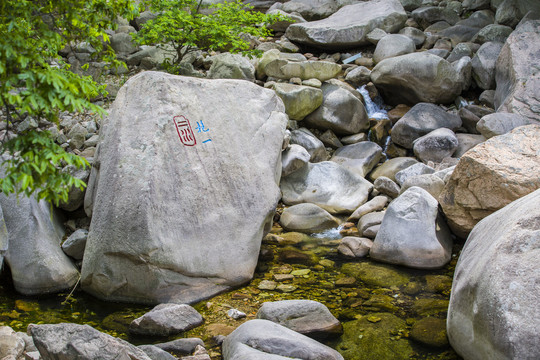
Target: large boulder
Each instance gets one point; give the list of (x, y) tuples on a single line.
[(341, 111), (490, 176), (517, 81), (265, 340), (349, 26), (4, 238), (37, 263), (417, 77), (311, 9), (420, 120), (393, 45), (181, 158), (328, 185), (231, 66), (412, 233), (82, 342), (493, 312)]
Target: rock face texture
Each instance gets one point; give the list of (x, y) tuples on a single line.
[(37, 263), (493, 310), (181, 160), (328, 185), (263, 339), (490, 176), (518, 83), (412, 233), (416, 77), (349, 26), (83, 342)]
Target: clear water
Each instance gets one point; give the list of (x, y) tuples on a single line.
[(374, 108)]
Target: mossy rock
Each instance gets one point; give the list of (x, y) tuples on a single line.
[(292, 238), (431, 332), (291, 255), (375, 337), (379, 302), (376, 275), (429, 307), (438, 284)]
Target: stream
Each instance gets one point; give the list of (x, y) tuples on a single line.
[(378, 304)]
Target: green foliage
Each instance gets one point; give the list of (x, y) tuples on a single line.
[(36, 82), (182, 25)]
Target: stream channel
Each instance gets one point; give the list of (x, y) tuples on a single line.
[(380, 306)]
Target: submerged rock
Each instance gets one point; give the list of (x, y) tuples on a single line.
[(377, 275), (372, 337), (493, 310), (180, 158)]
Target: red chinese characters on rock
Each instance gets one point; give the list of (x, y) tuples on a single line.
[(185, 133)]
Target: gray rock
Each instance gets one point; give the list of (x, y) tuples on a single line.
[(493, 310), (445, 174), (436, 145), (11, 345), (156, 353), (432, 183), (416, 77), (375, 204), (463, 67), (4, 238), (299, 100), (330, 139), (476, 4), (308, 141), (37, 263), (412, 234), (483, 64), (236, 314), (386, 186), (328, 185), (416, 35), (510, 12), (369, 220), (166, 320), (77, 136), (393, 45), (360, 158), (411, 5), (341, 111), (28, 123), (487, 98), (459, 34), (321, 70), (356, 247), (307, 317), (75, 244), (307, 218), (73, 341), (294, 158), (75, 194), (231, 66), (311, 9), (263, 339), (353, 139), (391, 167), (349, 26), (467, 142), (493, 32), (459, 51), (123, 43), (358, 76), (518, 81), (500, 123), (183, 346), (420, 120), (413, 170), (162, 251), (428, 15), (376, 35)]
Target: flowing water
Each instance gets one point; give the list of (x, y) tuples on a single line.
[(375, 108)]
